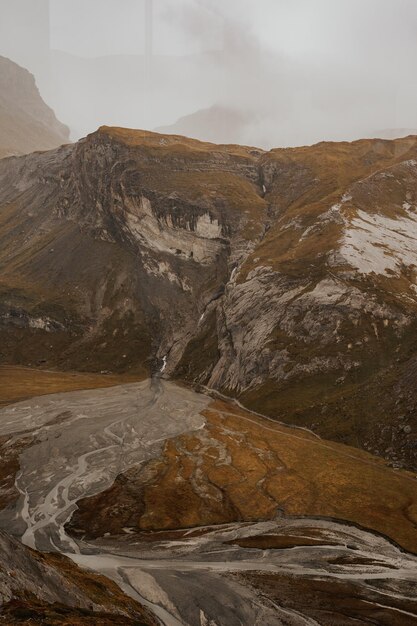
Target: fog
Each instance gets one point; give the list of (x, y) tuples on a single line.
[(260, 72)]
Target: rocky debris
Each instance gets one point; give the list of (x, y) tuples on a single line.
[(164, 491), (21, 319), (287, 571)]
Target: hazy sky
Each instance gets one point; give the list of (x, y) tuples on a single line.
[(344, 28), (300, 70)]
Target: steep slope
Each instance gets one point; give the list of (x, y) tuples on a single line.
[(50, 589), (317, 326), (26, 122), (285, 278), (111, 248)]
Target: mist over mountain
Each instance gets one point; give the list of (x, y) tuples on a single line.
[(208, 312), (26, 121), (299, 73), (216, 124)]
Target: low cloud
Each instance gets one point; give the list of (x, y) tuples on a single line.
[(292, 71)]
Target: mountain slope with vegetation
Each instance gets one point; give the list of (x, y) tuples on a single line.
[(284, 278), (49, 589)]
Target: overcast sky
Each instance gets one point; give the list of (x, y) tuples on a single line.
[(299, 70), (345, 29)]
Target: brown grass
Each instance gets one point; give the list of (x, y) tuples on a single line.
[(172, 143), (98, 588), (242, 467), (21, 383)]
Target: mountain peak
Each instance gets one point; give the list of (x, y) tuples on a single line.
[(27, 123), (152, 139)]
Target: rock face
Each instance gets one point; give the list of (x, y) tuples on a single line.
[(26, 122), (124, 239), (50, 589), (285, 278)]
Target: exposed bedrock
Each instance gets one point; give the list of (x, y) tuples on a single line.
[(284, 278)]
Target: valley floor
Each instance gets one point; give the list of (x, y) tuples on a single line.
[(20, 383), (153, 455)]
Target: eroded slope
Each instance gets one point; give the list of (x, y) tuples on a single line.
[(317, 327), (284, 278), (50, 589), (112, 247)]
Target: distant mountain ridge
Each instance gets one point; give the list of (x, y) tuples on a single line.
[(218, 124), (26, 122), (394, 133)]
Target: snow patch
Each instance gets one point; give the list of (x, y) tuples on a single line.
[(380, 244)]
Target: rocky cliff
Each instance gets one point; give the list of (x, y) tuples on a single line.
[(26, 122), (284, 278), (49, 589)]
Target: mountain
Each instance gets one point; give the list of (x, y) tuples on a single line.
[(26, 122), (394, 133), (216, 124), (49, 589), (87, 264), (285, 279)]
